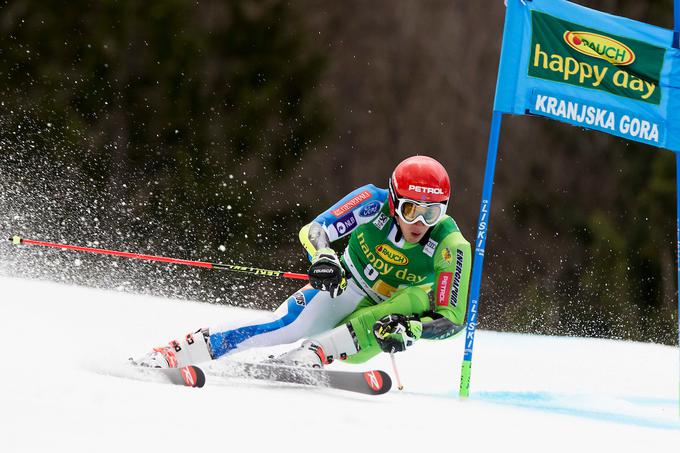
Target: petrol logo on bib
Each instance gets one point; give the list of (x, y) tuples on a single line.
[(390, 255), (444, 288)]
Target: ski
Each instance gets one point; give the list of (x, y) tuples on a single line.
[(374, 382), (189, 376)]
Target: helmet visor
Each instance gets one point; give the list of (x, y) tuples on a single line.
[(411, 211)]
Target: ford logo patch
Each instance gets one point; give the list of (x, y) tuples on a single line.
[(370, 209)]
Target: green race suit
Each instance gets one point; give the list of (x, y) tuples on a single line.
[(427, 280)]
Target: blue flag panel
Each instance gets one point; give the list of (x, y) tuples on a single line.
[(591, 69)]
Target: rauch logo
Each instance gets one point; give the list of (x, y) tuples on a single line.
[(567, 52), (390, 255), (600, 46)]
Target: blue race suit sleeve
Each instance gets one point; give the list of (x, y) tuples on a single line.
[(359, 206)]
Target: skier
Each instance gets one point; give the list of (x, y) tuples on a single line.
[(403, 276)]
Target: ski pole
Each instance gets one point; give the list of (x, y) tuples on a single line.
[(17, 240), (396, 373)]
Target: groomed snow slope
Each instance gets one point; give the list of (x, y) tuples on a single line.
[(529, 393)]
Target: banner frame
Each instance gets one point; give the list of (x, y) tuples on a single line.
[(483, 225)]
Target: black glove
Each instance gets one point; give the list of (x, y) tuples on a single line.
[(396, 332), (326, 273)]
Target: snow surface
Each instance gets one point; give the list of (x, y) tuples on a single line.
[(529, 393)]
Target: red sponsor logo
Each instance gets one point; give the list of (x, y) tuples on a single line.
[(374, 380), (444, 288), (421, 189), (189, 376), (352, 203), (169, 356)]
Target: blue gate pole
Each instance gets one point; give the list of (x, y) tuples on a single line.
[(676, 26), (480, 244)]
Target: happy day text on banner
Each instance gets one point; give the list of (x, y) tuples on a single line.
[(591, 69)]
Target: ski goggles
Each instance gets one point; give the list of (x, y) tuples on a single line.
[(411, 211)]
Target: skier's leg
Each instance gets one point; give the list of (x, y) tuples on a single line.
[(353, 340), (407, 302), (305, 313)]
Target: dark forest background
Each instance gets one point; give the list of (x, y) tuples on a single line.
[(213, 130)]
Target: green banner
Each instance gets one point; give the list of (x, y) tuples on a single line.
[(566, 52)]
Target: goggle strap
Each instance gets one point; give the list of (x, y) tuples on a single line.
[(393, 193)]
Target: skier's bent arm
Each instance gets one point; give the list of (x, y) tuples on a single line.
[(449, 296)]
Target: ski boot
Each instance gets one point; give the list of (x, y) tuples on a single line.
[(194, 348), (309, 354)]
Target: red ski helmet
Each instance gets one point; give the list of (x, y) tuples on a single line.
[(419, 178)]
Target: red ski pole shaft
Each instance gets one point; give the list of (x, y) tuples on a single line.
[(17, 240)]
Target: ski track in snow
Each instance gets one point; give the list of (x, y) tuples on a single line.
[(63, 346)]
